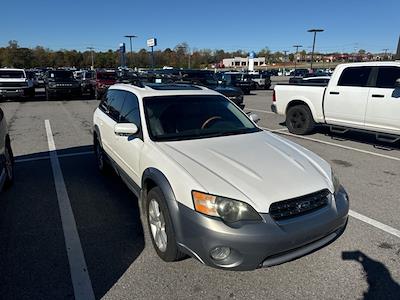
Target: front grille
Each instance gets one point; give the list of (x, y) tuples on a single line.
[(13, 84), (299, 206)]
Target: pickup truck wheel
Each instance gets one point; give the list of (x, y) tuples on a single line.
[(299, 120), (160, 226)]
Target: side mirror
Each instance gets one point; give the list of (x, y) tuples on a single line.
[(397, 84), (125, 129), (255, 118)]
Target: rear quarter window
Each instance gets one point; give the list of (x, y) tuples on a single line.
[(355, 76)]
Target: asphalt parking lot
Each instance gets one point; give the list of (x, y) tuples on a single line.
[(120, 260)]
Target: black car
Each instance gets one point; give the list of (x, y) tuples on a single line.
[(6, 155), (239, 80), (209, 80), (61, 83)]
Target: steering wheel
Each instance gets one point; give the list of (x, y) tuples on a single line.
[(210, 120)]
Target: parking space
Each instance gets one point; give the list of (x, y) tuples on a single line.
[(117, 251)]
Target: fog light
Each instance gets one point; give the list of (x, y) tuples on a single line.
[(220, 253)]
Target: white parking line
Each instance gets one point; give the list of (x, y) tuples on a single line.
[(259, 110), (79, 273), (22, 160), (375, 223), (333, 144)]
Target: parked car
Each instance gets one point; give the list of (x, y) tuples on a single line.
[(6, 155), (299, 73), (88, 85), (262, 80), (104, 79), (209, 79), (359, 96), (184, 151), (318, 80), (15, 83), (61, 83), (239, 80)]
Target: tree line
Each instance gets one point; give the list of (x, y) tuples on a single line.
[(180, 56)]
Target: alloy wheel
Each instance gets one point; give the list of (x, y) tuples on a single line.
[(157, 225)]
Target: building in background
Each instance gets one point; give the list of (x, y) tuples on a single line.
[(242, 62)]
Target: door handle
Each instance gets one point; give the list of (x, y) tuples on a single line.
[(378, 96), (334, 93)]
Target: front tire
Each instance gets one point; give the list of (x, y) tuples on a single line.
[(299, 120), (160, 226)]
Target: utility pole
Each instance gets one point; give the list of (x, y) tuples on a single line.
[(285, 61), (385, 50), (189, 54), (313, 47), (130, 37), (295, 58), (91, 50)]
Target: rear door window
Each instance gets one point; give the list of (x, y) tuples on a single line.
[(355, 76), (387, 77)]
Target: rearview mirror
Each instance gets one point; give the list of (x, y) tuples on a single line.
[(255, 118), (125, 129)]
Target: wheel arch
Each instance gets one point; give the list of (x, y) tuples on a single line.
[(153, 177), (297, 102)]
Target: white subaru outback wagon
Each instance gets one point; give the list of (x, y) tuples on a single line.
[(211, 183)]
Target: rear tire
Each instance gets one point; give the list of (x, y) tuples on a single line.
[(160, 226), (101, 160), (9, 165), (299, 120)]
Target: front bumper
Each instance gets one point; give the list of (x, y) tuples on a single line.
[(11, 93), (261, 244)]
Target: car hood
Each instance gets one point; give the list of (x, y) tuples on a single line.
[(228, 91), (258, 168)]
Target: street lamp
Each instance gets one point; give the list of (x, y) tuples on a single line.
[(91, 50), (189, 54), (295, 58), (313, 47), (130, 37)]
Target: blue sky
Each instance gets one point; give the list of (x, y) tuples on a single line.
[(217, 24)]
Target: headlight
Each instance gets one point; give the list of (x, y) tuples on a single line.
[(228, 210), (336, 182)]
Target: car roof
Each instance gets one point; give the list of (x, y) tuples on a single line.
[(11, 69), (371, 64), (152, 90)]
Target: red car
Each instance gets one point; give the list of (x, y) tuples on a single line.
[(103, 80)]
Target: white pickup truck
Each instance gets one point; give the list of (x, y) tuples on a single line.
[(361, 96), (15, 83)]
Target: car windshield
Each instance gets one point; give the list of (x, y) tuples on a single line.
[(61, 74), (107, 76), (11, 74), (173, 118)]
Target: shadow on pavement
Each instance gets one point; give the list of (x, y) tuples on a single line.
[(355, 136), (33, 260), (380, 283)]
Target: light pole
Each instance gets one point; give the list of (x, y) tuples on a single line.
[(285, 61), (130, 37), (189, 54), (313, 47), (385, 57), (295, 58), (91, 50)]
